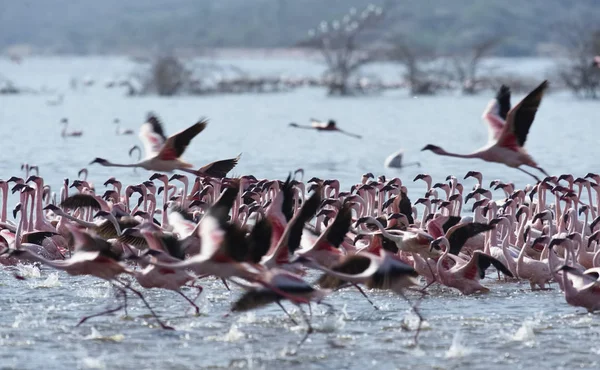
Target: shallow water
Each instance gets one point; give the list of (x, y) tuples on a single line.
[(511, 326)]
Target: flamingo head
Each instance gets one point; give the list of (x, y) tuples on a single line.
[(100, 161), (17, 209), (35, 179), (176, 177), (433, 148), (435, 245), (474, 174), (51, 207)]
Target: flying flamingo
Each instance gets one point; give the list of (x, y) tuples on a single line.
[(596, 62), (275, 285), (509, 137), (119, 130), (582, 289), (66, 133), (324, 126), (163, 154)]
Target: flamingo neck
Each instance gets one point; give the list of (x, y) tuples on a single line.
[(4, 204), (457, 155)]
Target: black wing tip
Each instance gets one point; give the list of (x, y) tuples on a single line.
[(80, 200), (503, 91), (220, 169)]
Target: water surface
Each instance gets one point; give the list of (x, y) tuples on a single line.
[(509, 327)]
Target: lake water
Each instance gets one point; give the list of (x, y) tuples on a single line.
[(509, 327)]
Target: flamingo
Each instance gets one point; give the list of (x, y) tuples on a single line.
[(465, 276), (65, 133), (330, 125), (395, 161), (275, 285), (119, 130), (582, 289), (508, 147), (163, 154)]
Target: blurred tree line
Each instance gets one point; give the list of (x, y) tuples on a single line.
[(89, 26)]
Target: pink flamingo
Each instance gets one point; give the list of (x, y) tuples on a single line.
[(275, 285), (465, 275), (330, 125), (510, 137), (163, 154), (159, 277), (582, 289)]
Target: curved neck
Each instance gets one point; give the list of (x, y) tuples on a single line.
[(115, 223), (4, 204), (75, 219), (589, 191)]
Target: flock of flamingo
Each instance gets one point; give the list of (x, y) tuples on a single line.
[(264, 235)]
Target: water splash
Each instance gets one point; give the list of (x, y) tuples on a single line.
[(29, 271), (233, 335), (96, 335), (92, 363), (525, 333), (411, 322), (248, 318), (332, 323), (51, 281), (457, 348)]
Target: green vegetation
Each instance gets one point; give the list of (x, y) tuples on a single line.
[(91, 26)]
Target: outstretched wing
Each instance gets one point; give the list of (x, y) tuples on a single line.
[(152, 136), (520, 118), (219, 169), (458, 234), (495, 113), (176, 144), (316, 123)]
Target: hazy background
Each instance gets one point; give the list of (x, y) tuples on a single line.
[(116, 26)]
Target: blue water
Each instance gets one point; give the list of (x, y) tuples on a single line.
[(510, 327)]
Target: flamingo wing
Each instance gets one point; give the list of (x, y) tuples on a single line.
[(520, 118), (457, 235), (495, 113), (152, 136), (316, 123), (356, 269), (219, 169), (176, 144)]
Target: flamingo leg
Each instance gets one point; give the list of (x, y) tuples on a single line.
[(109, 311), (309, 328), (200, 290), (190, 301), (415, 309), (139, 294), (84, 319), (365, 295), (433, 281), (225, 283), (286, 312), (529, 173)]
